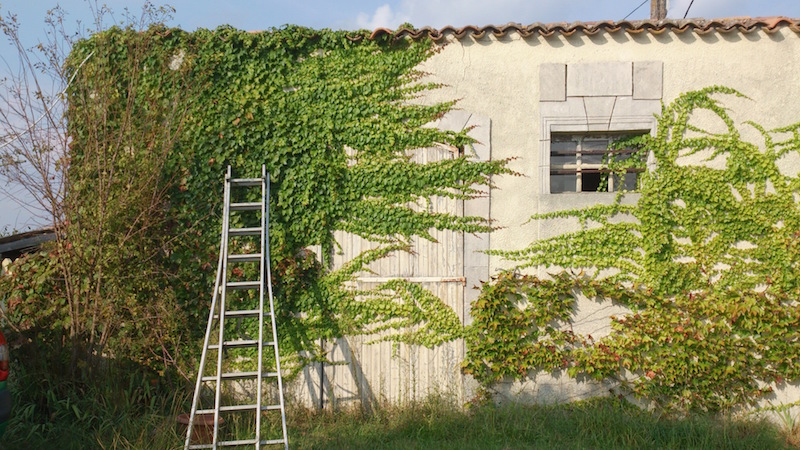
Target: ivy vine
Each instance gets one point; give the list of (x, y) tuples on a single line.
[(708, 267), (335, 117)]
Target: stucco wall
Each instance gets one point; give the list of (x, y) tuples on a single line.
[(500, 79)]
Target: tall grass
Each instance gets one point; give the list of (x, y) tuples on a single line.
[(123, 411), (139, 416), (596, 424)]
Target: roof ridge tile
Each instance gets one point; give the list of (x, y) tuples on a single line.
[(700, 26)]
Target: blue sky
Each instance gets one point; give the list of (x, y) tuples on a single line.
[(264, 14)]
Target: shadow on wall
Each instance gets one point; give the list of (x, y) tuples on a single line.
[(325, 395)]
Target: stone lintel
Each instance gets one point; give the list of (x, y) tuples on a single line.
[(599, 79)]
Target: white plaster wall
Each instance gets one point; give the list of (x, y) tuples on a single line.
[(499, 78)]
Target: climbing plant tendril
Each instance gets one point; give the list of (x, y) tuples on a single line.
[(707, 264)]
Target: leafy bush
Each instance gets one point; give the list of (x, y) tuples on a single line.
[(154, 115)]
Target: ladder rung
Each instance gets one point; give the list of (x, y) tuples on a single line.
[(229, 408), (253, 206), (244, 284), (234, 344), (237, 407), (198, 446), (244, 232), (246, 181), (242, 343), (247, 442), (240, 376), (251, 257), (242, 313), (237, 442)]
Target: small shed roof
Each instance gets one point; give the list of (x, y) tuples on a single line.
[(16, 244)]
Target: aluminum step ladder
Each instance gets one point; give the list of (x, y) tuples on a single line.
[(220, 312)]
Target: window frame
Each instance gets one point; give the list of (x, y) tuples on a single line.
[(580, 167), (597, 95), (562, 122)]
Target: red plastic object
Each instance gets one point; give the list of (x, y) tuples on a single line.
[(4, 358)]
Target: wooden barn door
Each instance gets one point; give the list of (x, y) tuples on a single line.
[(397, 373)]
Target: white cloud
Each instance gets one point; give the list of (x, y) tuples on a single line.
[(383, 17)]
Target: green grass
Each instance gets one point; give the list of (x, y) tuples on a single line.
[(597, 424), (117, 423)]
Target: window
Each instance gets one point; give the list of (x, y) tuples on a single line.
[(579, 162)]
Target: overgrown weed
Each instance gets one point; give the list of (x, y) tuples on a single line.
[(100, 418), (127, 409), (600, 423)]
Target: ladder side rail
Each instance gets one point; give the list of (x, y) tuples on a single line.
[(266, 254), (223, 295), (214, 299), (260, 369)]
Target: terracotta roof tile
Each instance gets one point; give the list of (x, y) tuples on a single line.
[(699, 26)]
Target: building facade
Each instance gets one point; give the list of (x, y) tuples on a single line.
[(549, 97)]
